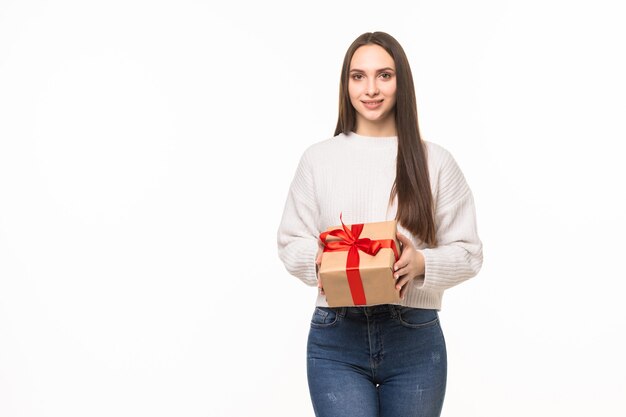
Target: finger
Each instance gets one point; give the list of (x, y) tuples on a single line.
[(403, 290), (319, 285), (403, 262), (406, 255), (401, 272), (400, 264), (401, 283)]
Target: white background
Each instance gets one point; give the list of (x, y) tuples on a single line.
[(146, 150)]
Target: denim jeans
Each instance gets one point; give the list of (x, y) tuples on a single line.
[(379, 361)]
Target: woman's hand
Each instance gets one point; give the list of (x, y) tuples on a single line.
[(318, 262), (409, 266)]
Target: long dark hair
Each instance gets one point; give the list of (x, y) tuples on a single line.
[(412, 184)]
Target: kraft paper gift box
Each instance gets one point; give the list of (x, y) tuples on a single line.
[(357, 264)]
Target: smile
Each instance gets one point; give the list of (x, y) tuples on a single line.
[(372, 104)]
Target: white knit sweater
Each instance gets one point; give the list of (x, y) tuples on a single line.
[(353, 175)]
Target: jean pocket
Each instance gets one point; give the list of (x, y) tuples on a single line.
[(324, 317), (416, 318)]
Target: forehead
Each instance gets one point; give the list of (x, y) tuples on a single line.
[(371, 57)]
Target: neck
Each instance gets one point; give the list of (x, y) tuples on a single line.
[(383, 128)]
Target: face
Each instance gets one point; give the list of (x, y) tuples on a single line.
[(372, 87)]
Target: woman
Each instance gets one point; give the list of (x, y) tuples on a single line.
[(384, 360)]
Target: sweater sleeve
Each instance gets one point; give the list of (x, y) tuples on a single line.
[(459, 254), (297, 232)]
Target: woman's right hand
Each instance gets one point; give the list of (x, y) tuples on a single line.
[(318, 262)]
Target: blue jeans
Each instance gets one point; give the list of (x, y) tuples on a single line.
[(379, 361)]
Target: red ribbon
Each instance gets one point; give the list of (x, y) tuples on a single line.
[(351, 241)]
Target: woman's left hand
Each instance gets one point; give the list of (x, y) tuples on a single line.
[(409, 266)]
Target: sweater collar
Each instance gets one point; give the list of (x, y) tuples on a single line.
[(379, 142)]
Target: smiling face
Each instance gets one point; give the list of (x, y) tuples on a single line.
[(372, 90)]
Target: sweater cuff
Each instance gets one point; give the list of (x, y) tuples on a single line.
[(310, 269), (438, 271), (418, 281)]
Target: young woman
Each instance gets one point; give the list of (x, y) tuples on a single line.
[(383, 360)]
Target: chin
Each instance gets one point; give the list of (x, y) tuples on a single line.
[(374, 117)]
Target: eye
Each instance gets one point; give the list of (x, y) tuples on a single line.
[(357, 77), (385, 75)]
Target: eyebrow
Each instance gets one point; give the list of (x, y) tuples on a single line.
[(379, 70)]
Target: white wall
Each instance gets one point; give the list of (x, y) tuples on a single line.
[(146, 149)]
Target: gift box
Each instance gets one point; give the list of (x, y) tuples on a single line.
[(357, 264)]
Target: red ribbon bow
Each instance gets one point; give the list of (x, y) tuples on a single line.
[(350, 241)]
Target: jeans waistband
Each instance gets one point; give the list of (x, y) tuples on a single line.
[(369, 311)]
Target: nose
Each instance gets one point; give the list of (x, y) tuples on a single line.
[(372, 88)]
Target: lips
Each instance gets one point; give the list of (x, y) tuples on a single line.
[(372, 104)]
